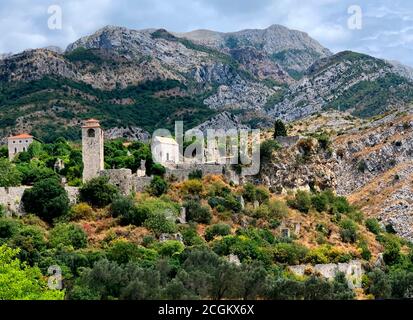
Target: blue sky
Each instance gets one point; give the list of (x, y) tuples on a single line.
[(387, 25)]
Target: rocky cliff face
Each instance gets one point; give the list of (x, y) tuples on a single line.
[(293, 50), (370, 162), (348, 81)]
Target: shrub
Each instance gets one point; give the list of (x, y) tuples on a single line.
[(391, 253), (195, 212), (169, 248), (323, 140), (261, 194), (320, 202), (341, 205), (279, 129), (365, 251), (267, 148), (129, 213), (373, 226), (47, 199), (192, 187), (197, 174), (249, 192), (301, 201), (158, 223), (68, 234), (289, 253), (277, 209), (123, 252), (158, 186), (348, 231), (191, 237), (81, 211), (98, 192), (220, 229), (158, 170)]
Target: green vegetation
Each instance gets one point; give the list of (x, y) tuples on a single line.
[(98, 192), (148, 110), (21, 282), (47, 199), (280, 129)]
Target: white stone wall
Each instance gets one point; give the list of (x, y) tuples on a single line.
[(165, 153), (18, 145)]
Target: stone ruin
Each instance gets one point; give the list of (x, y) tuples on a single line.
[(352, 270)]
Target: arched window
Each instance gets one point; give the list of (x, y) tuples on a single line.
[(91, 133), (15, 150)]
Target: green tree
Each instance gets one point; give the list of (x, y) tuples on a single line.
[(195, 212), (158, 186), (21, 282), (9, 175), (68, 234), (279, 129), (47, 199), (98, 192)]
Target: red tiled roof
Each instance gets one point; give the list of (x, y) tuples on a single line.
[(21, 136)]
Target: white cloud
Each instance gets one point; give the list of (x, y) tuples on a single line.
[(386, 23)]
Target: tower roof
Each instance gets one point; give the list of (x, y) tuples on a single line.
[(91, 123), (21, 136)]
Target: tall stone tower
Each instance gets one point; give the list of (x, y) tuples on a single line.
[(92, 149)]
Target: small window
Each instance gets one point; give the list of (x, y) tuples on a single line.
[(20, 141), (14, 141), (27, 141), (24, 149), (15, 150), (167, 157), (91, 133)]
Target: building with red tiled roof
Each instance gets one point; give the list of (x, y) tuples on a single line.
[(19, 143)]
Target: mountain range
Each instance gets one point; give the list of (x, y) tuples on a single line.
[(145, 79)]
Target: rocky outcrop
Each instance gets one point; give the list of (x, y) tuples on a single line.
[(224, 120), (129, 133), (347, 81), (293, 50), (260, 64)]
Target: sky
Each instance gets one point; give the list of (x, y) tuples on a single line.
[(382, 28)]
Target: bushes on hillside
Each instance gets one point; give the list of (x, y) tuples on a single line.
[(220, 229), (373, 226), (195, 212), (98, 192), (47, 199), (68, 234), (348, 231), (158, 186), (301, 201)]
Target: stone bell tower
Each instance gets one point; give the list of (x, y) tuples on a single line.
[(92, 149)]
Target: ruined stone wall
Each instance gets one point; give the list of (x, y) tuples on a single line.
[(121, 178), (353, 271), (141, 183), (182, 171), (11, 198)]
